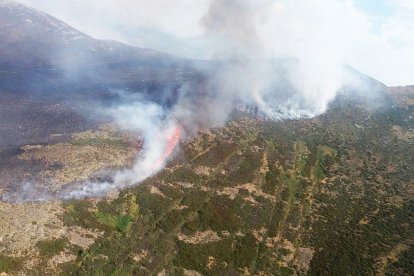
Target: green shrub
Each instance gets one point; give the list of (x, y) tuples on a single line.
[(51, 248), (10, 264)]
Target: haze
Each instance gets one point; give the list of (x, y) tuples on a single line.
[(373, 36)]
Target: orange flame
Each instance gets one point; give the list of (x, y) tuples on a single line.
[(171, 144)]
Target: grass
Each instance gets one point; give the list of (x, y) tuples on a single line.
[(100, 142), (10, 264), (324, 156), (51, 248), (123, 223), (325, 218), (106, 219), (301, 155)]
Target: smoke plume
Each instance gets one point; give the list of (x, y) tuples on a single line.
[(243, 35), (300, 85)]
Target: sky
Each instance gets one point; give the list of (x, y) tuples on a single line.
[(374, 36)]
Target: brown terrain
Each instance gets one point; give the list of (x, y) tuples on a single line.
[(25, 226), (332, 195)]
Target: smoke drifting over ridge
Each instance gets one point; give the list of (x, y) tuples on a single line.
[(374, 35), (302, 87), (299, 85)]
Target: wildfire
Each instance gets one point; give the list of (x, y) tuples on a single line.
[(171, 144)]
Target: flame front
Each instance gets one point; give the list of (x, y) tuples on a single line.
[(172, 143)]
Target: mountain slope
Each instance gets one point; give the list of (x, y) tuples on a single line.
[(39, 49), (53, 76), (331, 195), (32, 39)]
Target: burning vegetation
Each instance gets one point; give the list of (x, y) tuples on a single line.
[(279, 198)]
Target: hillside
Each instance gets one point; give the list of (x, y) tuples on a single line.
[(38, 48), (53, 77), (330, 195)]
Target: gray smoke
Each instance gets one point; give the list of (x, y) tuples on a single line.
[(302, 85), (299, 85)]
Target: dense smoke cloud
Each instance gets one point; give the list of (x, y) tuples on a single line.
[(160, 133), (244, 36), (247, 31), (374, 36), (150, 120), (232, 26)]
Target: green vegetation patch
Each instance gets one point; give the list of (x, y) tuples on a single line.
[(100, 142), (123, 223), (184, 175), (53, 247), (301, 156), (341, 228), (10, 264), (195, 256), (247, 168), (79, 213), (325, 157), (218, 154), (106, 219), (218, 215)]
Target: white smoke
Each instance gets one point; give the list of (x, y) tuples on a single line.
[(375, 42), (246, 35), (155, 127), (247, 31)]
